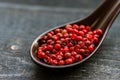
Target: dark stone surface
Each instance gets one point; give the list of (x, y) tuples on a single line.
[(59, 3), (20, 25)]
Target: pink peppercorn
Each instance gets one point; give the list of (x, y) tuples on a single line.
[(64, 46)]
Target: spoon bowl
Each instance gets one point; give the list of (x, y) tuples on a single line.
[(102, 18)]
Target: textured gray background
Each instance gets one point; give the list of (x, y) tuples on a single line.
[(61, 3), (21, 22)]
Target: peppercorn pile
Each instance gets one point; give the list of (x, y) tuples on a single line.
[(68, 45)]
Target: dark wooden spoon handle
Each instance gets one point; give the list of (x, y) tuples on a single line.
[(108, 15), (103, 16)]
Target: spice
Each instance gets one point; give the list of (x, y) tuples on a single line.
[(68, 45)]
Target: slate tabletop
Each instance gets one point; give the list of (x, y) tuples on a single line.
[(21, 23)]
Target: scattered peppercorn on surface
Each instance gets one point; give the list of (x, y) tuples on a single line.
[(68, 45)]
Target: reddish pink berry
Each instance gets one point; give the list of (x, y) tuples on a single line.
[(67, 55), (74, 36), (41, 55), (44, 37), (85, 39), (67, 39), (85, 31), (52, 32), (77, 46), (57, 30), (62, 39), (78, 57), (53, 56), (68, 26), (90, 37), (61, 62), (66, 49), (49, 47), (40, 49), (82, 27), (77, 50), (99, 31), (49, 41), (59, 57), (96, 35), (54, 62), (88, 43), (64, 31), (81, 33), (91, 48), (73, 53), (59, 34), (66, 35), (85, 47), (82, 51), (72, 48), (79, 38), (69, 61), (70, 45), (69, 29), (73, 58), (90, 33), (62, 50), (87, 53), (55, 38), (49, 60), (54, 51), (44, 48), (61, 53), (75, 26), (49, 35), (95, 39), (59, 41), (57, 46), (81, 43), (75, 31), (94, 32), (88, 28)]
